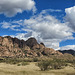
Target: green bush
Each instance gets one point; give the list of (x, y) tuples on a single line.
[(44, 65), (18, 64), (57, 64), (52, 64), (71, 74), (35, 59), (24, 63)]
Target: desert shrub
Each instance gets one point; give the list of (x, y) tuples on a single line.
[(73, 65), (51, 64), (71, 62), (19, 64), (71, 74), (35, 59), (58, 64), (15, 60), (1, 60), (24, 63), (44, 65), (11, 61)]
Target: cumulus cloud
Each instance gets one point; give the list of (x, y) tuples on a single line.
[(44, 27), (70, 16), (67, 47), (12, 7), (48, 29)]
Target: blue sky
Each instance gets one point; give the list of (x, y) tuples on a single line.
[(49, 21)]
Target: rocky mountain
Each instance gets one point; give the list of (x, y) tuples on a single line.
[(14, 47), (70, 51)]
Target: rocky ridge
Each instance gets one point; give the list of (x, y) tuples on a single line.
[(70, 51), (14, 47)]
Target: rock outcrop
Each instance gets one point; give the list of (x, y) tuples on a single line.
[(13, 47), (31, 42)]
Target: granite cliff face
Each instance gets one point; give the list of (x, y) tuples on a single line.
[(13, 47)]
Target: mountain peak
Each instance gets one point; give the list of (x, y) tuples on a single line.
[(14, 47), (31, 42)]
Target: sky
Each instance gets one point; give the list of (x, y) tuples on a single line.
[(49, 21)]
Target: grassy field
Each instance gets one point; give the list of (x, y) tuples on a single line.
[(32, 69)]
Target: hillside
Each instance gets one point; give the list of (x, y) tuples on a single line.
[(14, 47), (68, 51)]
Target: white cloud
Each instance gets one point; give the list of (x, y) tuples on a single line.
[(12, 7), (6, 25), (14, 25), (70, 16), (48, 27), (51, 10), (45, 28), (67, 47)]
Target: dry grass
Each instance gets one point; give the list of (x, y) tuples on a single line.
[(32, 69)]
